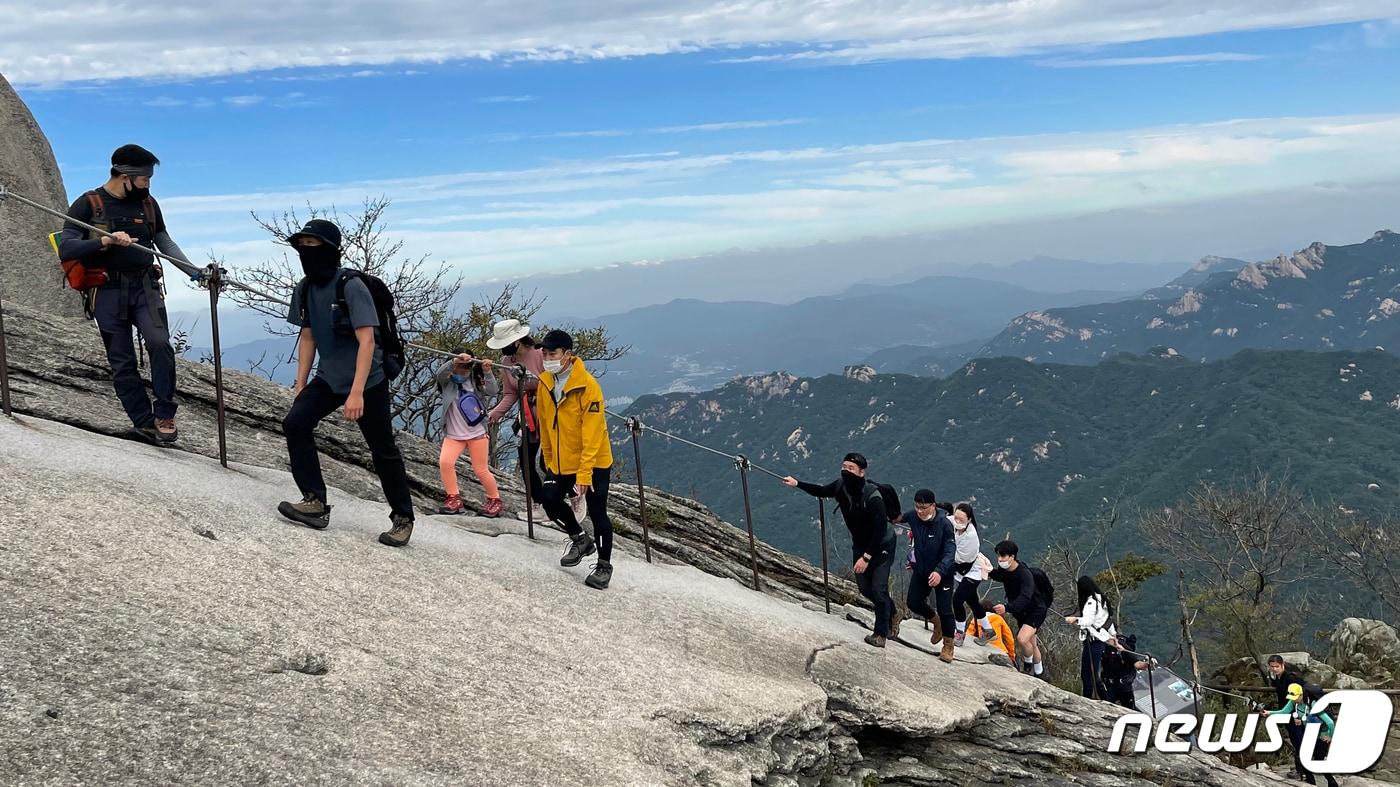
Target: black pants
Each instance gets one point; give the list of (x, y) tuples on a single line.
[(965, 597), (137, 303), (874, 584), (1091, 669), (317, 401), (597, 502), (943, 596), (1295, 736)]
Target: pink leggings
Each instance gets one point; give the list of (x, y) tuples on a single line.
[(452, 451)]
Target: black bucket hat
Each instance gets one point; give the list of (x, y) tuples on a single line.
[(321, 229)]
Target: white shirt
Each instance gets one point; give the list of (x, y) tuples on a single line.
[(1093, 620), (968, 546)]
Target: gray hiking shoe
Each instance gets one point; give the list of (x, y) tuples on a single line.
[(581, 548), (875, 640), (985, 637), (400, 533), (601, 576), (310, 512)]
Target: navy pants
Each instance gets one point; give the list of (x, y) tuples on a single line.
[(919, 591), (315, 402), (1091, 669), (134, 303)]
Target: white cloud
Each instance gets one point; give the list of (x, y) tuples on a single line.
[(1162, 60), (243, 101), (657, 206), (504, 99), (191, 38), (725, 125)]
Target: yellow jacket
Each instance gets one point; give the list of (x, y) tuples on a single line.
[(1004, 642), (574, 430)]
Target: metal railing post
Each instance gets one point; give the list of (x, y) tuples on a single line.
[(826, 578), (742, 463), (215, 281), (635, 424), (4, 370), (527, 456)]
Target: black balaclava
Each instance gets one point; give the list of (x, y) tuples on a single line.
[(319, 263)]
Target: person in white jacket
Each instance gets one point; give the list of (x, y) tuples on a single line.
[(1095, 631), (969, 569)]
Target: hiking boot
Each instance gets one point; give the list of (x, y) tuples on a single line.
[(959, 638), (147, 434), (875, 640), (493, 507), (165, 427), (985, 637), (452, 506), (311, 511), (895, 620), (581, 548), (400, 533), (947, 655), (601, 576)]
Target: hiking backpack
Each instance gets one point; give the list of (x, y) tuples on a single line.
[(889, 495), (1043, 586), (388, 337), (83, 275)]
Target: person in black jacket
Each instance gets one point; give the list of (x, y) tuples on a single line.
[(1281, 676), (932, 551), (1023, 601), (872, 540)]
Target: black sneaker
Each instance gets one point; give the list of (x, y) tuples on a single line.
[(875, 640), (601, 576), (400, 533), (581, 548), (310, 512)]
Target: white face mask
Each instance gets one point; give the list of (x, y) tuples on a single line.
[(926, 516), (1004, 563), (553, 367)]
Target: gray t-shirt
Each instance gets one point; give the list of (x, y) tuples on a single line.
[(336, 352)]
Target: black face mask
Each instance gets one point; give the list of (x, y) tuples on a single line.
[(851, 479), (319, 263), (136, 195)]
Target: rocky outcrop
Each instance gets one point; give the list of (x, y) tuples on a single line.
[(161, 626), (59, 372), (1367, 649), (29, 273)]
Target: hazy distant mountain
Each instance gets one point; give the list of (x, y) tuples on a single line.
[(1320, 298), (694, 345)]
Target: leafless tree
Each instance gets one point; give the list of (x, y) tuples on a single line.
[(1362, 549)]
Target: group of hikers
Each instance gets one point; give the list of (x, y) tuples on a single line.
[(944, 559), (564, 450)]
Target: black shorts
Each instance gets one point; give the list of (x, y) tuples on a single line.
[(1034, 617)]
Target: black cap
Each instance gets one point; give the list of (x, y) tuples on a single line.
[(321, 229), (857, 460), (557, 340)]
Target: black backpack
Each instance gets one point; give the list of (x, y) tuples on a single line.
[(388, 334), (889, 495), (1043, 587)]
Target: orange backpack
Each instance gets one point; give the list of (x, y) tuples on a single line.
[(83, 276)]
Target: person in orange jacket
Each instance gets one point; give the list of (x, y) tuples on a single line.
[(1004, 640), (577, 453)]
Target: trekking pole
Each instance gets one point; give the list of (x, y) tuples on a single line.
[(214, 277), (635, 425), (826, 580), (4, 370), (742, 463)]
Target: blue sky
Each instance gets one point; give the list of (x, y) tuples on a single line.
[(605, 134)]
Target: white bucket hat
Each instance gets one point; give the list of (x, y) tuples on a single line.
[(507, 332)]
